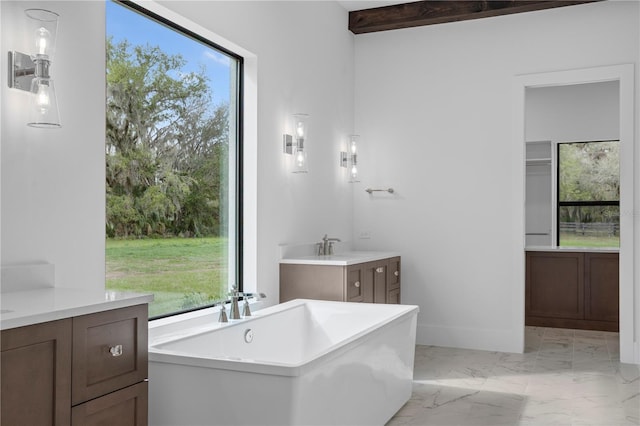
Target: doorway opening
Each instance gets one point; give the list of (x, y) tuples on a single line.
[(623, 77)]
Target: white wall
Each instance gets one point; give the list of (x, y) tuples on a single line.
[(579, 112), (434, 105), (53, 180)]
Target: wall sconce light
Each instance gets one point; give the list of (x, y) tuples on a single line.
[(31, 72), (296, 144), (349, 159)]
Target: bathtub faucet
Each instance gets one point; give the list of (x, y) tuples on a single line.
[(327, 245), (234, 310)]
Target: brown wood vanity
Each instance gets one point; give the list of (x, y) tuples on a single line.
[(376, 281), (73, 357), (572, 289), (85, 370)]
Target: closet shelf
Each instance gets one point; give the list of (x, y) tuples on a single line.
[(538, 160)]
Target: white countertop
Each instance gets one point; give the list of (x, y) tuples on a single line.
[(20, 308), (339, 259), (574, 249)]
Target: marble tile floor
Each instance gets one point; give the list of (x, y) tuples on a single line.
[(565, 377)]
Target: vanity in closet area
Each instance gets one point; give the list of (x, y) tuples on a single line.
[(572, 288)]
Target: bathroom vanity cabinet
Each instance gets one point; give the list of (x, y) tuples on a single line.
[(376, 281), (572, 289), (83, 370)]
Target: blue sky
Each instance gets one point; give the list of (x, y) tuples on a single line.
[(123, 23)]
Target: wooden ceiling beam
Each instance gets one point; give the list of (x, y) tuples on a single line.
[(431, 12)]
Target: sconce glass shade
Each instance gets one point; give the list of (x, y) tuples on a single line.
[(300, 162), (43, 112), (300, 134), (352, 155), (44, 27)]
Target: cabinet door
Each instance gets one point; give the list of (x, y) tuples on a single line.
[(355, 288), (380, 281), (601, 286), (109, 351), (36, 374), (554, 285), (126, 407), (393, 281), (393, 296)]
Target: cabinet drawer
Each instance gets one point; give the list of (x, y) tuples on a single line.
[(109, 351), (126, 407)]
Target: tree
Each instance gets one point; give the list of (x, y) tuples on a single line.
[(166, 148), (589, 171)]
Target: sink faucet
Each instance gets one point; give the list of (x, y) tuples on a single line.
[(327, 244)]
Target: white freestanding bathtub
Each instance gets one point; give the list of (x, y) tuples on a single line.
[(304, 362)]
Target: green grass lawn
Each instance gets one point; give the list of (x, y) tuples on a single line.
[(178, 271), (575, 240)]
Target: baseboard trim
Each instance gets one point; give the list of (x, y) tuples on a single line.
[(471, 338)]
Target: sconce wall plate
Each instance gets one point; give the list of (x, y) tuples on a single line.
[(287, 144), (21, 71), (344, 159)]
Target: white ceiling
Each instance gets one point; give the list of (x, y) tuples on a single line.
[(368, 4)]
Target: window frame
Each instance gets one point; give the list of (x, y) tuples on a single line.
[(560, 204), (239, 145)]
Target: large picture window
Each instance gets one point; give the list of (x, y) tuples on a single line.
[(173, 162), (589, 194)]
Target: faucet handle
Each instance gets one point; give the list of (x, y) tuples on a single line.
[(223, 314), (246, 310)]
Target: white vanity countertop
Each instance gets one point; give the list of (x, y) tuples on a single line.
[(574, 249), (20, 308), (339, 259)]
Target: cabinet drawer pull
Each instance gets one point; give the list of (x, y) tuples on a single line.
[(380, 270), (357, 284), (116, 350), (396, 273)]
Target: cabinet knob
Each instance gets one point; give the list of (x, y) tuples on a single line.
[(357, 284), (116, 350), (380, 270), (396, 273)]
